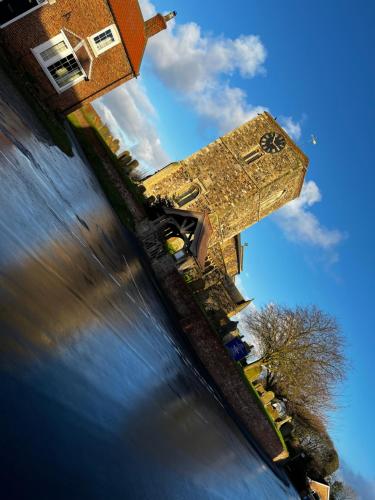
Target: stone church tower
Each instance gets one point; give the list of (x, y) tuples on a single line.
[(238, 179)]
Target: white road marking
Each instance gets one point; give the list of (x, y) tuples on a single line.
[(97, 260), (130, 297), (115, 280)]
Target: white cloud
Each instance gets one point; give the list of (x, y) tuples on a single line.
[(291, 127), (130, 115), (226, 108), (148, 9), (187, 61), (197, 69), (299, 224), (240, 285)]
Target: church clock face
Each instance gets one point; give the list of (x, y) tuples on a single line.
[(272, 142)]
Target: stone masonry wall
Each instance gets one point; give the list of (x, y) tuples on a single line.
[(216, 298), (236, 194), (229, 251), (213, 355), (216, 257), (209, 347)]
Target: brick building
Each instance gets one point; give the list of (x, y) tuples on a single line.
[(77, 50), (233, 182)]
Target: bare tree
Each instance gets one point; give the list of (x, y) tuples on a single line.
[(303, 347), (311, 436), (342, 491)]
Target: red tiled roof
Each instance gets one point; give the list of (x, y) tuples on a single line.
[(130, 23)]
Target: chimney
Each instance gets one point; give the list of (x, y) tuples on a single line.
[(158, 23)]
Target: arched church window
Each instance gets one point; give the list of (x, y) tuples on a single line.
[(273, 200), (252, 156), (188, 195)]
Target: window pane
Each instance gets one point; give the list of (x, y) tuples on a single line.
[(187, 196), (65, 71), (53, 51), (253, 156), (104, 39), (9, 9)]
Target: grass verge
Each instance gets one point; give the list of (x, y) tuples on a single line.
[(248, 384), (129, 184), (111, 192), (261, 406), (47, 118)]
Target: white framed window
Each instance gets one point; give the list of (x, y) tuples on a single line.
[(59, 62), (12, 10), (104, 39)]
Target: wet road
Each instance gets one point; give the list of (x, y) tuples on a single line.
[(99, 397)]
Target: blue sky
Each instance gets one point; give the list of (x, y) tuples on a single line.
[(312, 65)]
